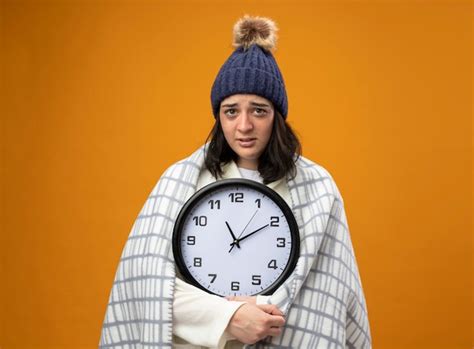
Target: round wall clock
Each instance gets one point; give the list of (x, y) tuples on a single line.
[(236, 237)]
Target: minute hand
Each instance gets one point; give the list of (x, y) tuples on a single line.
[(255, 231)]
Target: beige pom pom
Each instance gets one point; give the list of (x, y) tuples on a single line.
[(255, 30)]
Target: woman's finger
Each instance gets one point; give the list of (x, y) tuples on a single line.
[(275, 331)]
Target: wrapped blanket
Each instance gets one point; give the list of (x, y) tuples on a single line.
[(323, 298)]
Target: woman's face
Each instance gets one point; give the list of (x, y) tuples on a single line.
[(247, 124)]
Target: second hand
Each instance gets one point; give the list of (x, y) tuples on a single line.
[(244, 229)]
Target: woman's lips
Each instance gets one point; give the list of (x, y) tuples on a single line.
[(246, 142)]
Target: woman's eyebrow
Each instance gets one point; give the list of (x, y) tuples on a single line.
[(259, 104), (252, 103), (230, 105)]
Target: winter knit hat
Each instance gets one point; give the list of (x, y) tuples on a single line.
[(251, 68)]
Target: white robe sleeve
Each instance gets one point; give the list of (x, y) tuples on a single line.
[(201, 318), (262, 299)]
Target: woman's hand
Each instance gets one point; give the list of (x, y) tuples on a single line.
[(251, 323)]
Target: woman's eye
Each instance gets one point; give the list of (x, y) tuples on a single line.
[(260, 111), (230, 112)]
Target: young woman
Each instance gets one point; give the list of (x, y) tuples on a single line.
[(320, 305)]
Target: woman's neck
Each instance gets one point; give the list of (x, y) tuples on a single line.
[(248, 164)]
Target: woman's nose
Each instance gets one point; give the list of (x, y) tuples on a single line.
[(245, 123)]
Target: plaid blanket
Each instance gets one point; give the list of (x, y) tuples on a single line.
[(323, 298)]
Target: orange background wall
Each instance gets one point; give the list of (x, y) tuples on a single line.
[(99, 97)]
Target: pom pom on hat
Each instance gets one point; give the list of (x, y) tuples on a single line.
[(255, 30)]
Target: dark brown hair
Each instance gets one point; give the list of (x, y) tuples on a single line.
[(277, 160)]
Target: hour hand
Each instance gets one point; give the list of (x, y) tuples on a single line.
[(235, 240)]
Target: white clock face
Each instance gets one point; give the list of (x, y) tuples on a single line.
[(236, 240)]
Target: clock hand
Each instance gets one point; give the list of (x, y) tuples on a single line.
[(248, 222), (236, 241), (246, 236)]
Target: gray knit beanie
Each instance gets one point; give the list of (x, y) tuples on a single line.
[(251, 68)]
